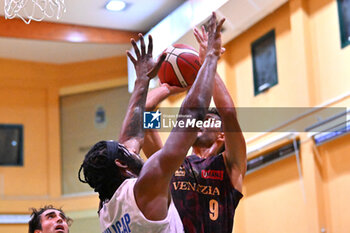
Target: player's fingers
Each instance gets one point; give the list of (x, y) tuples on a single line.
[(200, 35), (195, 32), (212, 22), (131, 57), (143, 47), (137, 51), (164, 84), (187, 88), (219, 26), (150, 45), (156, 68), (204, 33)]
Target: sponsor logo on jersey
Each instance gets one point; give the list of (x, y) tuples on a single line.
[(180, 172), (203, 189), (212, 174)]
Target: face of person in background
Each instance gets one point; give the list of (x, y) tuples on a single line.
[(53, 221)]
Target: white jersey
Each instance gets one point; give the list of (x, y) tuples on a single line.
[(122, 215)]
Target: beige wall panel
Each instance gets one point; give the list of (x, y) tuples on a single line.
[(79, 130), (331, 62), (273, 200), (336, 170), (86, 225), (92, 71)]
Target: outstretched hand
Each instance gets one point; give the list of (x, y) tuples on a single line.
[(214, 35), (202, 39), (144, 63)]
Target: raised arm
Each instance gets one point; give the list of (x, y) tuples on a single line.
[(152, 187), (235, 147), (153, 141), (132, 132)]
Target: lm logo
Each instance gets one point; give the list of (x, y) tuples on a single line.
[(151, 120)]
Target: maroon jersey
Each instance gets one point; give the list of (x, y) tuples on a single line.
[(204, 196)]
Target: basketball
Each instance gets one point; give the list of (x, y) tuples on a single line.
[(180, 67)]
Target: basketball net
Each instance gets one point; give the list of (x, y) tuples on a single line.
[(36, 10)]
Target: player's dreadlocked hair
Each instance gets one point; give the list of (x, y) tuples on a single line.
[(100, 170)]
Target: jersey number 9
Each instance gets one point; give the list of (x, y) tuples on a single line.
[(213, 209)]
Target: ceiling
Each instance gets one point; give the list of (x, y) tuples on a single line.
[(140, 16)]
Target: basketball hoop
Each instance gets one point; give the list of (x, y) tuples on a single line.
[(36, 10)]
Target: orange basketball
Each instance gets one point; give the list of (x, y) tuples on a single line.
[(180, 67)]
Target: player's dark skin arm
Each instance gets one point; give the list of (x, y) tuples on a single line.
[(132, 133), (152, 187), (154, 97)]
